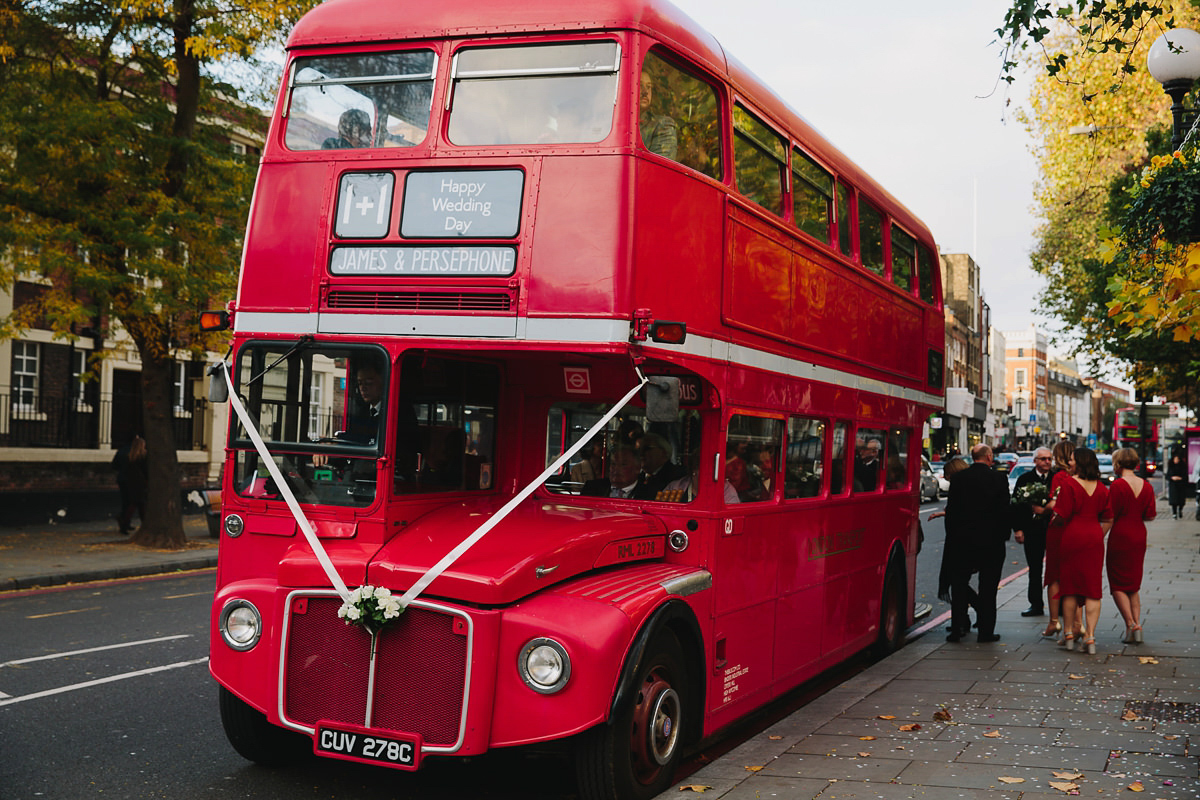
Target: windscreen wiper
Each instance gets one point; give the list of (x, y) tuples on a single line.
[(304, 341)]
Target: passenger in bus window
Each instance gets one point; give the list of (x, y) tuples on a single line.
[(354, 130), (658, 469), (622, 480), (659, 132), (866, 466)]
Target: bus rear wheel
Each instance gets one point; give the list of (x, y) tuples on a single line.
[(634, 756), (891, 612), (257, 740)]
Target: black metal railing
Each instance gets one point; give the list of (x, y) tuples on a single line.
[(60, 422)]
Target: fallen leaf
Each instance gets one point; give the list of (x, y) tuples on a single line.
[(1003, 779), (694, 787), (942, 715), (1063, 786), (774, 738), (1130, 715), (867, 738), (752, 769), (1136, 786), (913, 727), (1148, 659), (863, 754), (1069, 776), (901, 747), (1170, 737), (994, 735), (1077, 677), (886, 716)]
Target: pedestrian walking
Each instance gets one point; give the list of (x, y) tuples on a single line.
[(1177, 480), (1029, 525), (1082, 505), (1061, 471), (130, 464), (1131, 504), (952, 560), (977, 526)]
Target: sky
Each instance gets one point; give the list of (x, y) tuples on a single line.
[(910, 91)]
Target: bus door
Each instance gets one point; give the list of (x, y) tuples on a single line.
[(746, 558)]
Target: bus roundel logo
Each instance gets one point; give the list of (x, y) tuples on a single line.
[(578, 380)]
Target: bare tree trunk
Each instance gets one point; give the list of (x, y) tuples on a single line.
[(162, 526)]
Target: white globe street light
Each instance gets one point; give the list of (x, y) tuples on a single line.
[(1174, 61)]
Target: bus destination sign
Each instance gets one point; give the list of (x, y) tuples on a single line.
[(382, 260), (462, 204)]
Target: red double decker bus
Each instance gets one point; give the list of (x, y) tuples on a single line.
[(579, 388), (1127, 432)]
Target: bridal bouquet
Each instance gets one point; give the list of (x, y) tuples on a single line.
[(370, 607), (1033, 493)]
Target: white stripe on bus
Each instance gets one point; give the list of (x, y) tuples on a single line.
[(566, 329)]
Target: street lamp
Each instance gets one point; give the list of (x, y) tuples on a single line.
[(1174, 61), (1019, 403)]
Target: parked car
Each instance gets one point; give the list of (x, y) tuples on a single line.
[(938, 471), (1005, 461), (1017, 471), (1106, 467), (930, 489)]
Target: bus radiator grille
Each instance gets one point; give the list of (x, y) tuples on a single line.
[(420, 301), (420, 672)]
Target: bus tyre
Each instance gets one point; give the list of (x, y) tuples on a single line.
[(257, 740), (891, 612), (634, 756)]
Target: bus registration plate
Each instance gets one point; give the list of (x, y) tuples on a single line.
[(372, 747)]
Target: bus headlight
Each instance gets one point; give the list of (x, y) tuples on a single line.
[(234, 526), (544, 665), (240, 624)]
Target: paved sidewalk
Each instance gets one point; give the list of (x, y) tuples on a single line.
[(1024, 714), (34, 556)]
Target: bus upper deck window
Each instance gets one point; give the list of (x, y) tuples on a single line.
[(534, 94), (361, 100), (678, 116)]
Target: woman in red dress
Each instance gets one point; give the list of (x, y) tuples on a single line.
[(1061, 471), (1130, 504), (1082, 503)]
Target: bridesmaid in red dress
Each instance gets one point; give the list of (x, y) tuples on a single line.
[(1061, 471), (1130, 504), (1082, 504)]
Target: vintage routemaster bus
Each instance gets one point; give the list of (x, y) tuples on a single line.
[(1127, 432), (559, 327)]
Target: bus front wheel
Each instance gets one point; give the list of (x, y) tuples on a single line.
[(257, 740), (634, 756)]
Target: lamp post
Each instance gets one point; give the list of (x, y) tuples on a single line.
[(1019, 403), (1174, 61)]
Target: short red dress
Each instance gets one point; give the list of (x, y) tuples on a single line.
[(1054, 531), (1081, 552), (1127, 538)]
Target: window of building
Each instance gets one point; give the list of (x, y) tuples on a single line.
[(904, 258), (870, 237), (760, 158), (1019, 377), (1020, 352), (804, 469), (179, 386), (26, 360), (752, 455), (812, 196), (678, 117), (79, 372)]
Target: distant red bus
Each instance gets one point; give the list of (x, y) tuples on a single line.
[(1127, 432), (566, 332)]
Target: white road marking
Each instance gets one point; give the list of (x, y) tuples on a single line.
[(94, 650), (100, 681)]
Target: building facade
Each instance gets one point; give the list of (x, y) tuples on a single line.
[(968, 374)]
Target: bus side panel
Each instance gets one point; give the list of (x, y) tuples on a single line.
[(579, 260), (677, 260), (800, 575), (282, 270)]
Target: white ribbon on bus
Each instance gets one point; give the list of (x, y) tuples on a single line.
[(465, 545)]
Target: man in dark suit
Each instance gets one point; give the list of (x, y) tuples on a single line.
[(658, 469), (977, 526), (1030, 528)]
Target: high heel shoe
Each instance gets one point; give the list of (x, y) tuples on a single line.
[(1052, 630), (1128, 637), (1137, 634), (1090, 645), (1069, 642)]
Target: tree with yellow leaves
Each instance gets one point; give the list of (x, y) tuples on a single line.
[(120, 195)]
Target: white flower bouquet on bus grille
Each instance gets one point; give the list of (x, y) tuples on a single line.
[(370, 607)]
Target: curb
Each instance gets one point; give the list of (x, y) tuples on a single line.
[(111, 573)]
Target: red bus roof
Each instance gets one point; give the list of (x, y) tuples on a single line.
[(342, 22)]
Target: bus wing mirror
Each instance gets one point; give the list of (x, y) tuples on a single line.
[(662, 399), (218, 390)]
